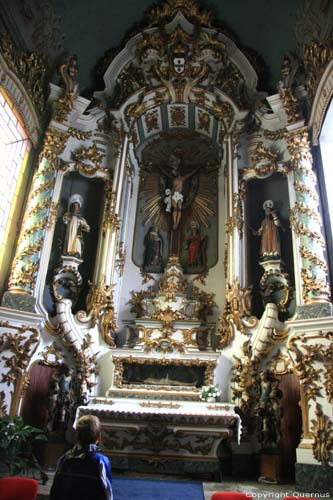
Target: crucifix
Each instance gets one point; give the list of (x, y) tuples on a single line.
[(175, 198)]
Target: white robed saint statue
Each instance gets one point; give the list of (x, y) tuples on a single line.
[(76, 225)]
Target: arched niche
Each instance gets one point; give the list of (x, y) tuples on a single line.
[(199, 164), (258, 191), (92, 192)]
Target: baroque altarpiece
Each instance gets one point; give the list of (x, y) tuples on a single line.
[(172, 240)]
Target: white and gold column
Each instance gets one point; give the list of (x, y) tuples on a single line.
[(311, 275)]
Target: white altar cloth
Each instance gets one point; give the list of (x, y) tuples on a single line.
[(216, 410)]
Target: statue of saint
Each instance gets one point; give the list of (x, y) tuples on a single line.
[(269, 232), (196, 247), (178, 181), (76, 225), (153, 247)]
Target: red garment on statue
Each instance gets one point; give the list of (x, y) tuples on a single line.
[(196, 248)]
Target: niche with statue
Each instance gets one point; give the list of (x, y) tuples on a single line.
[(269, 245), (75, 240)]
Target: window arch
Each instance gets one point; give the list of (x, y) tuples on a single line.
[(322, 139), (326, 150), (15, 146), (325, 170)]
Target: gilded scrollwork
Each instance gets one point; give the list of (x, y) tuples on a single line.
[(51, 356), (264, 170), (316, 57), (136, 109), (305, 210), (304, 366), (223, 111), (299, 149), (64, 105), (100, 306), (275, 135), (162, 14), (88, 159), (305, 189), (164, 343), (201, 278), (138, 304), (290, 103), (53, 145), (328, 362), (30, 68), (236, 308), (173, 281), (109, 206), (322, 431), (17, 345), (238, 210), (245, 388), (264, 162), (87, 368), (79, 134), (52, 215), (206, 303), (314, 284), (312, 257), (307, 357), (66, 277), (177, 66), (263, 153), (167, 315)]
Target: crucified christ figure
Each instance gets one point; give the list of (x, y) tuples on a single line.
[(178, 181)]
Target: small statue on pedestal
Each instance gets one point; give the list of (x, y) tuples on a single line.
[(269, 231)]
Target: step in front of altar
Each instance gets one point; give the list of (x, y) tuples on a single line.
[(161, 432)]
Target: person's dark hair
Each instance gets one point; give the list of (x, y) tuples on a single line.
[(88, 429)]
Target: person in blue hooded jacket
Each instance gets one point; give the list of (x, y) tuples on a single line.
[(83, 473)]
